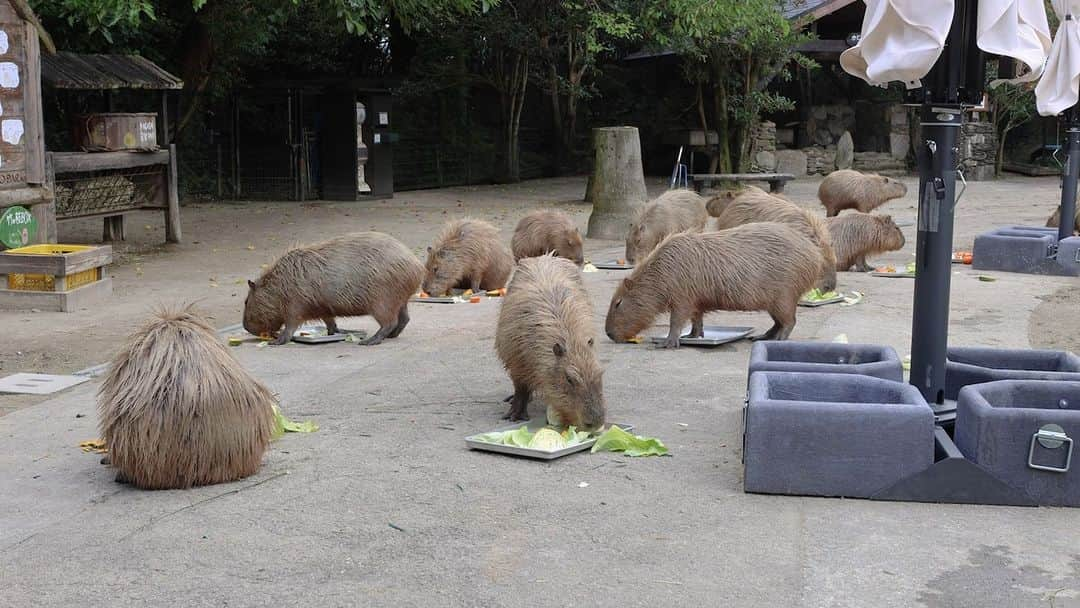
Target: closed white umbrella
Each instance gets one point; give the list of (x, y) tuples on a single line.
[(1017, 29), (1057, 91), (900, 40)]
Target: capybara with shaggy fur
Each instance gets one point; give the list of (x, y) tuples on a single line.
[(365, 273), (858, 235), (752, 204), (467, 254), (671, 212), (177, 410), (761, 266), (1055, 220), (547, 231), (546, 340), (849, 189)]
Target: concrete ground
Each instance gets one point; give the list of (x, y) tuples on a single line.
[(384, 505)]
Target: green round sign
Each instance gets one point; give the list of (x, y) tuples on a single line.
[(17, 227)]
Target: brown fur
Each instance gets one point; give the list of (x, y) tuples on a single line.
[(752, 204), (760, 266), (365, 273), (546, 341), (671, 212), (467, 254), (848, 189), (544, 231), (1055, 220), (858, 235), (177, 410)]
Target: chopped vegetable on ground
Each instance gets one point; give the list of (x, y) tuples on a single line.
[(817, 294), (617, 440), (283, 425), (547, 438)]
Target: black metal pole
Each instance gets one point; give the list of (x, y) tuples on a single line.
[(940, 129), (1071, 169)]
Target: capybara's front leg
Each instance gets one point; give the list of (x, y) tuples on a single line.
[(678, 319), (477, 280), (331, 325), (519, 404), (286, 334), (830, 212), (697, 330), (861, 265), (402, 321)]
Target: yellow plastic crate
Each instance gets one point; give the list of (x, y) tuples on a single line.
[(45, 282)]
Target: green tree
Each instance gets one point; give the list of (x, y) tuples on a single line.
[(732, 50), (1011, 106)]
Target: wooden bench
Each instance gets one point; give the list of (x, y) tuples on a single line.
[(776, 180)]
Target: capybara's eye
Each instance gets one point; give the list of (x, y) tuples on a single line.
[(618, 303), (570, 379), (590, 341)]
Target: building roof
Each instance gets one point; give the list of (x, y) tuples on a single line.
[(95, 72), (812, 9)]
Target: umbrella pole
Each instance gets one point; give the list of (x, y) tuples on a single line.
[(1069, 178), (940, 128)]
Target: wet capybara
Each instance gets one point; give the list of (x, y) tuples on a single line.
[(858, 235), (177, 410), (849, 189), (752, 204), (1055, 220), (673, 211), (365, 273), (761, 266), (547, 231), (467, 254), (546, 340)]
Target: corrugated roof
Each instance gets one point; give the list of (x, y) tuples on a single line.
[(793, 9), (90, 72)]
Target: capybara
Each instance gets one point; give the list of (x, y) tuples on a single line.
[(467, 254), (857, 235), (848, 189), (752, 204), (364, 273), (547, 231), (673, 211), (1055, 220), (761, 266), (177, 410), (546, 340)]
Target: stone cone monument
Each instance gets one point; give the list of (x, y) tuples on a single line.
[(617, 185)]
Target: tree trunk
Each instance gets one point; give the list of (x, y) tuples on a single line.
[(617, 183), (723, 128)]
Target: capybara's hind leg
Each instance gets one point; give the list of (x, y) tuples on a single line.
[(697, 330), (519, 404), (784, 322), (402, 321), (861, 265), (387, 324), (331, 325)]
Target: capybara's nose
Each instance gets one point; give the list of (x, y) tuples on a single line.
[(609, 334)]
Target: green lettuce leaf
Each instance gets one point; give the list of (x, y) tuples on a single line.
[(283, 425), (617, 440)]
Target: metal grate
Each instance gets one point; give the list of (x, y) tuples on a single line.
[(99, 192)]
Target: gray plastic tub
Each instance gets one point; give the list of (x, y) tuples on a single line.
[(975, 365), (1022, 432), (833, 434), (826, 357)]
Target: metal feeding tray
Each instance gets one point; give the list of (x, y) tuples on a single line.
[(893, 275), (533, 425), (715, 335), (438, 300), (613, 265), (815, 303), (316, 334)]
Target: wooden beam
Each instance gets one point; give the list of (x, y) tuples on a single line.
[(173, 233), (77, 162), (823, 46)]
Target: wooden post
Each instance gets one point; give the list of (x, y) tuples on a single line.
[(618, 182), (173, 233)]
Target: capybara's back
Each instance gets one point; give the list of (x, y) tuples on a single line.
[(176, 409), (673, 211), (467, 253), (547, 231), (364, 273), (858, 235), (545, 339), (850, 189)]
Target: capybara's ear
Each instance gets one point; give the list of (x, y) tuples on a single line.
[(251, 284), (429, 249), (558, 349), (627, 283), (885, 219)]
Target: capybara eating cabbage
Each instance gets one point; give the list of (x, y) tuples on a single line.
[(671, 212), (752, 204), (761, 266), (467, 254), (177, 410), (849, 189), (365, 273), (858, 235), (546, 340), (547, 231)]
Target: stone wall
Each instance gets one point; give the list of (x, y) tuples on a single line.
[(827, 123), (819, 160), (763, 147), (978, 150)]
